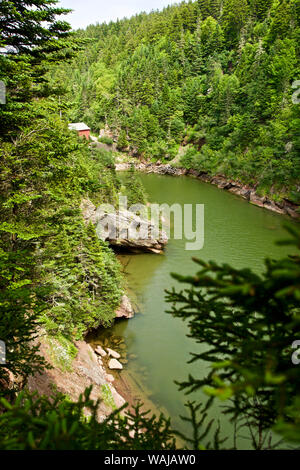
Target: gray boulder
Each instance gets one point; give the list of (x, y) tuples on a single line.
[(114, 364)]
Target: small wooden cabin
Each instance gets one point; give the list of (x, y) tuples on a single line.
[(82, 129)]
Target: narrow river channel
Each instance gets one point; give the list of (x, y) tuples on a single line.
[(157, 345)]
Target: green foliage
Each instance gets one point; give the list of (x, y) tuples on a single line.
[(32, 26), (85, 279), (37, 423), (20, 307), (226, 68), (217, 75), (53, 269), (234, 17), (106, 140), (33, 37), (134, 189), (53, 172), (107, 397), (56, 423), (249, 323), (62, 352), (122, 140)]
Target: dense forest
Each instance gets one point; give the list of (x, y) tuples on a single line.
[(215, 77)]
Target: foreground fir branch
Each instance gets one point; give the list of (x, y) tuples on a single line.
[(37, 423)]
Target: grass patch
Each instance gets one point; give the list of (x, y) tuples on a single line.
[(107, 397), (62, 352)]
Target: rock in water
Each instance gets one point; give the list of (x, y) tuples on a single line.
[(125, 310), (113, 354), (100, 351), (115, 365)]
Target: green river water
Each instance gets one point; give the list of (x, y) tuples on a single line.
[(157, 347)]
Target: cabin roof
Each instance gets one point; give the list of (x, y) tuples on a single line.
[(78, 126)]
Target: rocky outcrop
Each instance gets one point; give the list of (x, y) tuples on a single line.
[(86, 369), (160, 169), (247, 192), (110, 378), (126, 309), (129, 231), (88, 211), (125, 230), (106, 132)]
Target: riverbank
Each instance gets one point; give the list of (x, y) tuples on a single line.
[(81, 364), (85, 363), (247, 192), (71, 375)]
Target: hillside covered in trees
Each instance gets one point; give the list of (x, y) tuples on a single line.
[(216, 76)]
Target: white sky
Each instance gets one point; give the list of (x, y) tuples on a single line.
[(98, 11)]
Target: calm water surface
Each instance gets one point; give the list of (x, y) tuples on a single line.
[(156, 344)]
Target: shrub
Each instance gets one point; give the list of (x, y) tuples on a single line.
[(106, 140)]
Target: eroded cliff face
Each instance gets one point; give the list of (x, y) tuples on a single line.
[(72, 375)]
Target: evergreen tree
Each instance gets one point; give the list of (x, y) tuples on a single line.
[(233, 19), (141, 78), (31, 36), (122, 140)]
